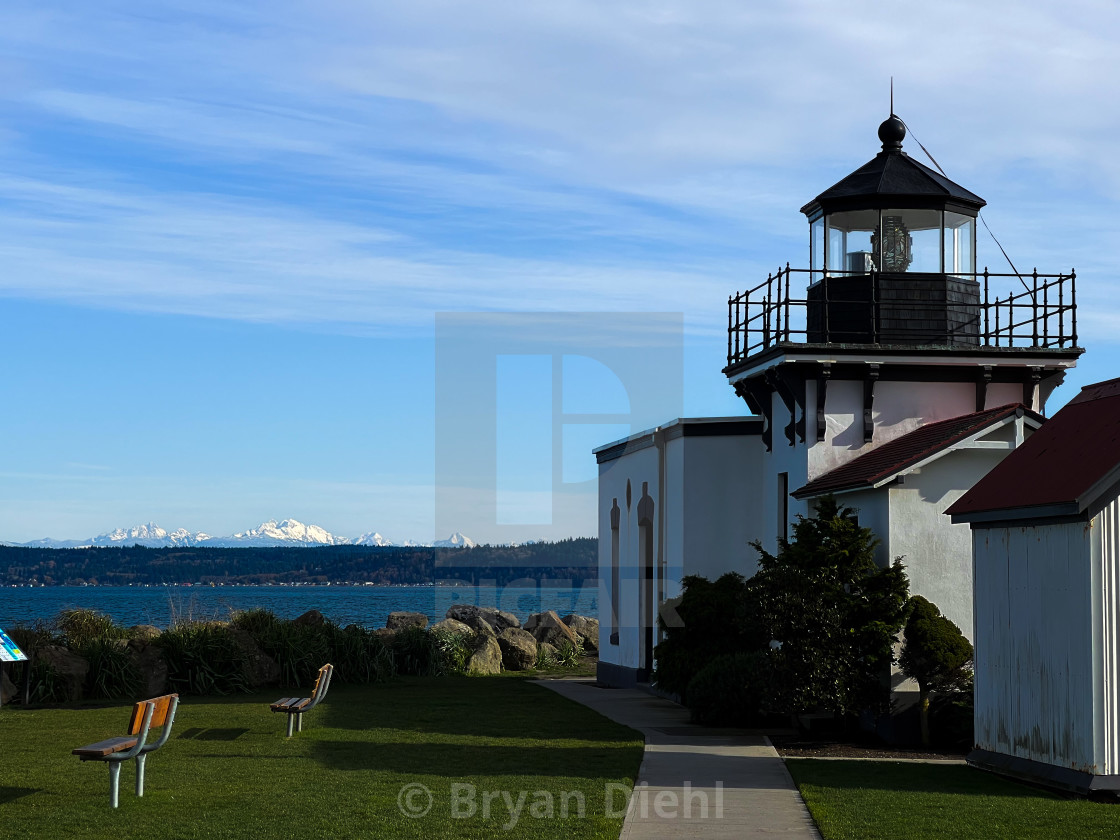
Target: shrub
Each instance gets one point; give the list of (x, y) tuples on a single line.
[(729, 690), (716, 619), (202, 658), (545, 660), (831, 614), (936, 654), (113, 674), (422, 653), (44, 684), (79, 626), (568, 654), (257, 622), (96, 638), (454, 650), (951, 718), (299, 650), (31, 637), (359, 656)]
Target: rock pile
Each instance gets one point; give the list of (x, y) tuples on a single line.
[(500, 642)]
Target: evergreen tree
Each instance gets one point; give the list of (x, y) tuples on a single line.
[(831, 612), (936, 654)]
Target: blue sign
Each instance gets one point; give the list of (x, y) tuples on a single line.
[(9, 650)]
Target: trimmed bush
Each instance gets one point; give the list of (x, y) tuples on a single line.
[(729, 690), (716, 619), (936, 654)]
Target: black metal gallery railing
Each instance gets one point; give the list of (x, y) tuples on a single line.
[(904, 309)]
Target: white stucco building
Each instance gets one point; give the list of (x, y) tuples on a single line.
[(890, 370), (1046, 540)]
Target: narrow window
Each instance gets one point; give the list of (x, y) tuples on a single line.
[(616, 516), (783, 506)]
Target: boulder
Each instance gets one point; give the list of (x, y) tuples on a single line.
[(451, 625), (586, 628), (70, 667), (398, 620), (144, 632), (311, 618), (549, 628), (486, 620), (548, 653), (487, 659), (151, 664), (259, 668), (7, 688), (519, 649)]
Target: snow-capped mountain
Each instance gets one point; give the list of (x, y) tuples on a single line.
[(150, 535), (456, 540), (273, 533), (288, 532), (372, 538)]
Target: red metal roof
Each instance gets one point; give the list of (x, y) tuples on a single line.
[(896, 455), (1067, 464)]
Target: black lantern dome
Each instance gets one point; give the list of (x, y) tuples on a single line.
[(895, 228)]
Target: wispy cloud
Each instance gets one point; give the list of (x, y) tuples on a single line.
[(352, 163)]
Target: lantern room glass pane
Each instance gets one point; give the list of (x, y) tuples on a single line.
[(849, 241), (911, 241), (960, 242), (816, 248)]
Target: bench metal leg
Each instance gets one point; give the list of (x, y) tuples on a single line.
[(140, 759), (114, 783), (291, 723), (299, 722)]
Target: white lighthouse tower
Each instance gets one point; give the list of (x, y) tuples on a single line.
[(888, 371)]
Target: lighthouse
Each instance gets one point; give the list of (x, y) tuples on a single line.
[(883, 367)]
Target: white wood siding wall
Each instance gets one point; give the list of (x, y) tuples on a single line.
[(1034, 597), (1106, 562)]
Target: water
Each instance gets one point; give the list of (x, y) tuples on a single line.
[(365, 605)]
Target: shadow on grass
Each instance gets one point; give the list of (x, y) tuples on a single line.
[(10, 794), (461, 760), (909, 777), (203, 734), (485, 707)]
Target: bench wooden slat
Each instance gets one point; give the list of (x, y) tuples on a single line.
[(160, 708), (288, 704), (106, 747)]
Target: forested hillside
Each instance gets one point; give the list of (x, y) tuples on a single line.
[(567, 560)]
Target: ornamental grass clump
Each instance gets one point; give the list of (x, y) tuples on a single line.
[(97, 639), (203, 658)]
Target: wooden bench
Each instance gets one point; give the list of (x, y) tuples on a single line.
[(296, 706), (146, 715)]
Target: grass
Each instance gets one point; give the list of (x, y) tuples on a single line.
[(228, 771), (868, 800)]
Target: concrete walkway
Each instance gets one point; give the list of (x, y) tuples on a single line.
[(695, 781)]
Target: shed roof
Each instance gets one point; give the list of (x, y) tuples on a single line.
[(1069, 467), (928, 442)]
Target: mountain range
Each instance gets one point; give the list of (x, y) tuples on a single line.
[(289, 532)]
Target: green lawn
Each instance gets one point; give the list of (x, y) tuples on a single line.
[(228, 771), (868, 800)]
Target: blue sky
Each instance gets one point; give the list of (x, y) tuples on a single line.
[(226, 228)]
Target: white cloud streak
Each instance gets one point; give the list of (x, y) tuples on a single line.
[(345, 162)]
